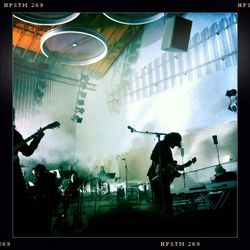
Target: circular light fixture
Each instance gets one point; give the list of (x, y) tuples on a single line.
[(134, 18), (46, 18), (75, 46)]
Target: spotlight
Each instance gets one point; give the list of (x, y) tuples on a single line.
[(82, 94), (80, 102), (232, 94), (84, 78), (80, 110), (77, 119), (233, 106), (38, 93), (83, 85)]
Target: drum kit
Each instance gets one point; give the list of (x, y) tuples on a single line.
[(94, 189), (108, 185), (96, 186)]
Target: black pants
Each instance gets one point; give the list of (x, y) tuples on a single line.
[(162, 197), (20, 204)]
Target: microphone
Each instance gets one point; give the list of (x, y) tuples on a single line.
[(182, 152), (131, 129), (215, 139)]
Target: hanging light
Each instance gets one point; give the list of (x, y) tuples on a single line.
[(232, 94), (74, 45), (46, 18)]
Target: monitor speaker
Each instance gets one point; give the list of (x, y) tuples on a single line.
[(176, 34)]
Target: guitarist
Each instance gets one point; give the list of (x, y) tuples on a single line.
[(20, 192), (159, 178)]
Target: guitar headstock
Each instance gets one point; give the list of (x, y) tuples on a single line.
[(190, 162), (53, 125)]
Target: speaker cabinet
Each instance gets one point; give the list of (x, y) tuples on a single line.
[(176, 34)]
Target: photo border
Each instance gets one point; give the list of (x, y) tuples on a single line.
[(6, 118)]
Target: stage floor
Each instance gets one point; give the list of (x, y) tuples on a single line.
[(108, 216)]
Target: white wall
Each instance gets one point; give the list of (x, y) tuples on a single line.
[(103, 136)]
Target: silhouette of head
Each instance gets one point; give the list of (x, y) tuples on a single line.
[(219, 170), (173, 139)]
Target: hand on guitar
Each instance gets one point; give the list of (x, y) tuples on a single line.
[(39, 134), (173, 168), (187, 164), (21, 144)]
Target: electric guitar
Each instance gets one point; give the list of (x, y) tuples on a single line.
[(20, 144), (172, 170)]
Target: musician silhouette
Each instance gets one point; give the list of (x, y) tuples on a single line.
[(45, 200), (222, 175), (159, 175), (73, 184), (71, 192), (20, 189), (102, 181)]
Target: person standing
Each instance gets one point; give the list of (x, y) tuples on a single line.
[(44, 203), (159, 175), (20, 203)]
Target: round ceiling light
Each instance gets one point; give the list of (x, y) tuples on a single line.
[(134, 18), (75, 46), (46, 18)]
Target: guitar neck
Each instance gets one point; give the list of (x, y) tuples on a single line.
[(185, 165), (19, 145), (53, 125), (34, 135)]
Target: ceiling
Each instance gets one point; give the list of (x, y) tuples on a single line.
[(27, 39)]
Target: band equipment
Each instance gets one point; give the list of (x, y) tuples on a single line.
[(205, 191), (216, 144)]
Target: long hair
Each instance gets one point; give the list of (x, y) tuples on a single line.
[(173, 137)]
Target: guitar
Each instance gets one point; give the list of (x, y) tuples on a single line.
[(172, 170), (20, 144)]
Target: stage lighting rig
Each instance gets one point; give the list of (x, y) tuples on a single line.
[(233, 105)]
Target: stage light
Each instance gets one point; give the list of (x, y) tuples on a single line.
[(233, 105), (80, 102), (232, 92), (77, 119), (82, 94), (134, 18), (62, 45), (80, 110), (226, 158), (84, 78), (83, 85), (47, 18)]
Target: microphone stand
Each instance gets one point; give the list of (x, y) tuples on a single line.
[(126, 178), (216, 145), (157, 134), (218, 155), (95, 191), (182, 159)]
